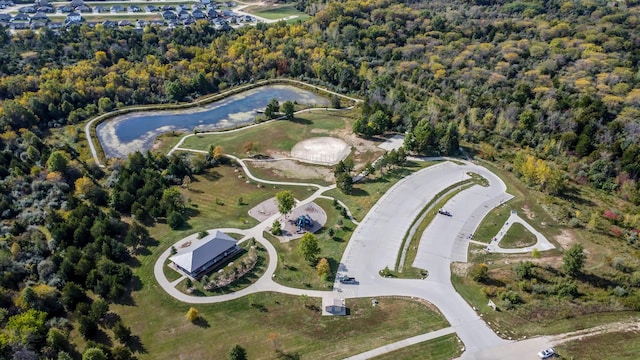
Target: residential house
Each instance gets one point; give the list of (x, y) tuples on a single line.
[(151, 8), (134, 9), (189, 21), (73, 17), (117, 9), (71, 23), (27, 9), (19, 25), (84, 9), (41, 3), (182, 7), (141, 23), (108, 24), (183, 14), (205, 2), (55, 25), (101, 9), (47, 9), (212, 14), (39, 17), (169, 15), (21, 18), (168, 8), (38, 24), (65, 9), (124, 23), (5, 18), (198, 15), (76, 3)]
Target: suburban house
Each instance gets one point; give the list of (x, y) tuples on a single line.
[(205, 253), (84, 9), (101, 9), (73, 17), (169, 15), (109, 24), (39, 17)]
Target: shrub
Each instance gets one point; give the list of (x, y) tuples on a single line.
[(192, 314), (479, 272), (175, 220), (566, 288), (620, 291), (202, 234), (524, 270)]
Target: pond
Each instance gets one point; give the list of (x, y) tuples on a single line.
[(125, 134)]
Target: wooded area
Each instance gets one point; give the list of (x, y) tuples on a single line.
[(553, 87)]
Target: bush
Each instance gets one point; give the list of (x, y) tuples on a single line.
[(479, 272), (620, 291), (202, 234), (566, 288), (175, 220), (524, 270), (192, 314)]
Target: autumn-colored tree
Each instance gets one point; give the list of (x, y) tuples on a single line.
[(218, 153), (84, 186), (323, 268), (193, 314)]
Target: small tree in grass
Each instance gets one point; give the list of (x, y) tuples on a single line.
[(323, 268), (573, 260), (308, 247), (288, 109), (237, 353), (276, 228), (122, 332), (188, 283), (193, 314), (535, 253)]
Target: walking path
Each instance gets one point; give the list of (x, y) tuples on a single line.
[(542, 244), (206, 99)]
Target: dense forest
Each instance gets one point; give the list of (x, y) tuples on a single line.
[(557, 80)]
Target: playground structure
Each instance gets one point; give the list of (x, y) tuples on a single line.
[(303, 221)]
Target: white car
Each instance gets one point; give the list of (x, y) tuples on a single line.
[(547, 354)]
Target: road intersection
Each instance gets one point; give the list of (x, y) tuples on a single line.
[(376, 242)]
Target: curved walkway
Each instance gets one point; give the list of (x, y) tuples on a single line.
[(542, 244), (375, 244), (206, 99)]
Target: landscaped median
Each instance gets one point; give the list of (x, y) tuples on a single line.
[(409, 248)]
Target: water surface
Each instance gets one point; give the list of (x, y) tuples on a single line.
[(128, 133)]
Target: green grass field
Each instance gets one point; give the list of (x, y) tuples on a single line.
[(625, 346), (276, 12), (445, 347), (294, 271), (279, 135), (517, 237)]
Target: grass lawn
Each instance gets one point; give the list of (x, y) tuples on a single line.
[(266, 322), (366, 194), (444, 347), (280, 135), (275, 12), (210, 204), (517, 237), (625, 345), (294, 271), (169, 273)]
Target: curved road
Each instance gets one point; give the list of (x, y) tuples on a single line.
[(376, 242)]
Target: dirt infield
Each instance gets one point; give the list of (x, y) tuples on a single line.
[(269, 207), (321, 150)]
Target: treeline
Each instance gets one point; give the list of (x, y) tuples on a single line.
[(67, 235)]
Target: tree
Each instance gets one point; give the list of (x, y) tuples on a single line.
[(286, 201), (85, 187), (57, 162), (94, 354), (272, 109), (237, 352), (524, 270), (122, 332), (479, 272), (172, 200), (323, 268), (176, 220), (192, 314), (573, 260), (27, 328), (344, 182), (276, 228), (218, 153), (288, 109), (369, 169), (308, 247)]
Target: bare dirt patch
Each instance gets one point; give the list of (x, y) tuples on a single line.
[(565, 239), (460, 269), (527, 211), (292, 169)]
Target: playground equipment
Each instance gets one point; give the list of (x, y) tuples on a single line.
[(303, 221)]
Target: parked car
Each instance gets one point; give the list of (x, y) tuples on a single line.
[(547, 353), (348, 280)]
